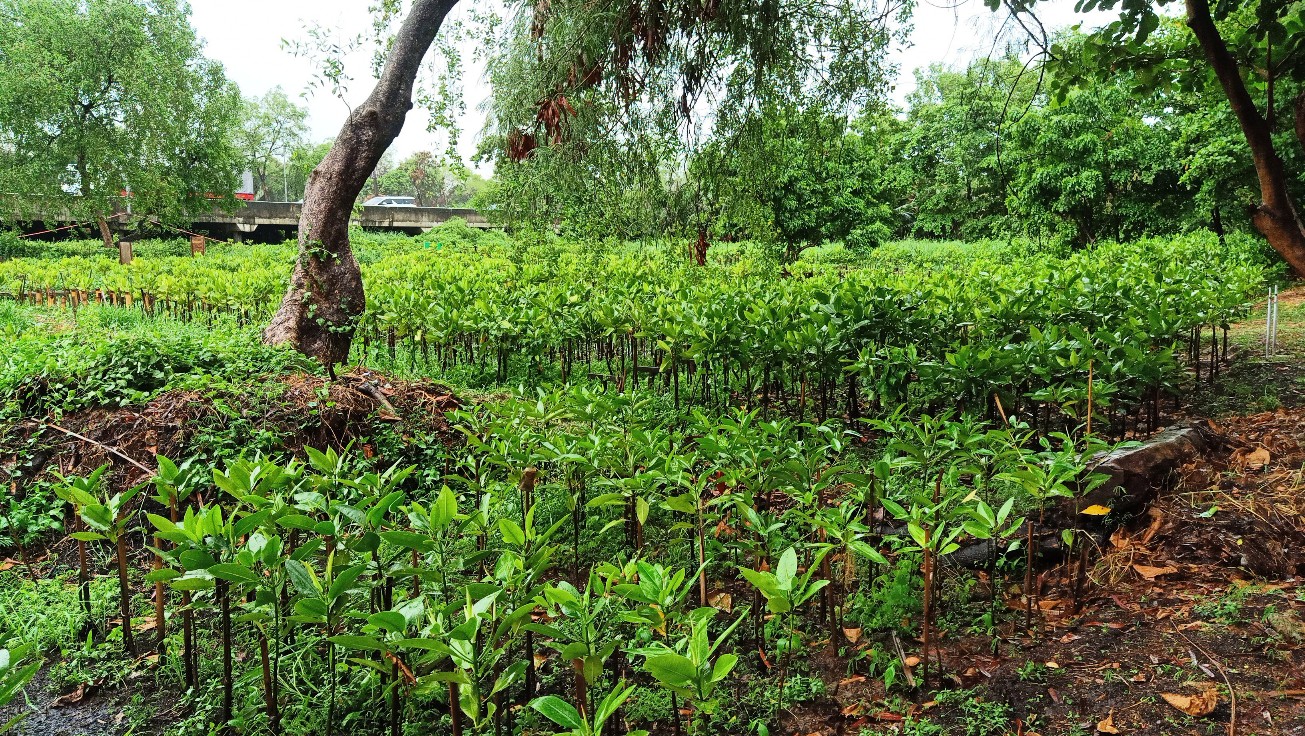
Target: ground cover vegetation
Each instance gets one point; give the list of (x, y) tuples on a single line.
[(582, 547)]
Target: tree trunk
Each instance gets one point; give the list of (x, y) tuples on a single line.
[(320, 310), (105, 235), (1275, 217)]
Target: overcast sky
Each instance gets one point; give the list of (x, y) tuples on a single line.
[(246, 36)]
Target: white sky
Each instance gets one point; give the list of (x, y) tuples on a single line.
[(246, 35)]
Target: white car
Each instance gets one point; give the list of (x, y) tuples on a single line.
[(391, 202)]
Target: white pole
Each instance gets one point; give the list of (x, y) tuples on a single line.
[(1275, 320), (1268, 322)]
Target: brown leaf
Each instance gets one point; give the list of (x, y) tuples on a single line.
[(911, 661), (1108, 725), (71, 698), (1151, 573), (1257, 459), (855, 709), (1202, 704), (721, 602), (853, 635)]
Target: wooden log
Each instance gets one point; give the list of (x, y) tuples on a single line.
[(1135, 475)]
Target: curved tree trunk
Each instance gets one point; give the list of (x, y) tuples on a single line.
[(320, 310), (1276, 216)]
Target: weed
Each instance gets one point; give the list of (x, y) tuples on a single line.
[(978, 716)]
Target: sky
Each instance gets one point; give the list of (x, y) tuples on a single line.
[(246, 36)]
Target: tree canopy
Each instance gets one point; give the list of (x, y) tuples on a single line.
[(104, 97)]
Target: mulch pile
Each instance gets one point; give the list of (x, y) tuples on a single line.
[(309, 411)]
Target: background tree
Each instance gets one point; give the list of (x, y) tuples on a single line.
[(953, 145), (101, 97), (798, 176), (274, 127), (1249, 49)]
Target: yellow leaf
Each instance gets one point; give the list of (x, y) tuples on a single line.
[(1108, 725), (1195, 705), (1096, 509)]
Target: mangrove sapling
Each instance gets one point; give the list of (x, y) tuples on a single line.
[(588, 642), (847, 539), (1052, 472), (173, 485), (526, 556), (690, 668), (693, 502), (930, 525), (475, 646), (77, 492), (785, 592), (110, 520)]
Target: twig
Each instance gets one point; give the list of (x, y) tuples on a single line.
[(1232, 694), (84, 438), (901, 655)]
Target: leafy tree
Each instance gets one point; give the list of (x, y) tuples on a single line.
[(101, 97), (954, 147), (274, 127), (801, 176), (1093, 168), (421, 176), (1247, 48), (640, 68)]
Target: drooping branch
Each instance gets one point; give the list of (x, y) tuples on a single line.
[(325, 298)]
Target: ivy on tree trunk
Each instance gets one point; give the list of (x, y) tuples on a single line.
[(320, 310)]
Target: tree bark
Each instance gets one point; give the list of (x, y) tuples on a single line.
[(1275, 217), (320, 310)]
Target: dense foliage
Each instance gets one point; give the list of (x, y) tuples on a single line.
[(675, 503), (105, 97)]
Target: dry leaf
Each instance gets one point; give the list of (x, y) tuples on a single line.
[(1151, 573), (71, 698), (855, 709), (1108, 725), (1096, 509), (853, 635), (911, 661), (722, 602), (1258, 459), (1053, 665), (1195, 705)]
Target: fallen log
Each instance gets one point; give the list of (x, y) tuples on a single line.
[(1134, 476)]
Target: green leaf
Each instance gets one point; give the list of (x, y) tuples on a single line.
[(391, 621), (675, 670), (558, 711), (786, 570), (343, 582), (233, 573), (303, 579), (512, 533), (357, 642)]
